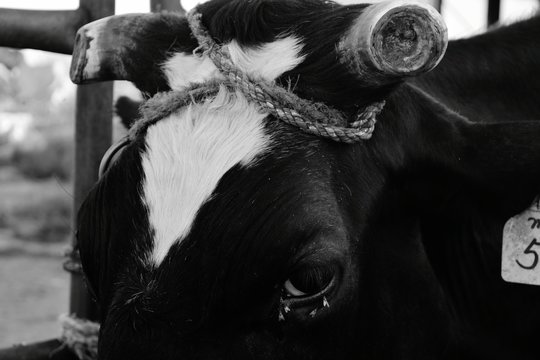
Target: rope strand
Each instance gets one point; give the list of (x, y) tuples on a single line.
[(283, 104)]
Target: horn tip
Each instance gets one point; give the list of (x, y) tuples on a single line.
[(410, 41), (395, 39), (79, 57)]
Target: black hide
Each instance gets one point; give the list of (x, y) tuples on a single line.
[(409, 223)]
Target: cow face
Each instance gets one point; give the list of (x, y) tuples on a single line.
[(220, 232), (259, 251)]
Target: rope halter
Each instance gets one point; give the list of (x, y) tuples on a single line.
[(311, 117)]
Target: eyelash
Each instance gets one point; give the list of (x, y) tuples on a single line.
[(311, 303), (308, 281)]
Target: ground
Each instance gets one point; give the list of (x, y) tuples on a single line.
[(34, 288), (34, 291)]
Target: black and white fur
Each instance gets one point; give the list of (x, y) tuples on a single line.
[(191, 237)]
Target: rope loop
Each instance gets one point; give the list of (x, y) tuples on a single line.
[(311, 117)]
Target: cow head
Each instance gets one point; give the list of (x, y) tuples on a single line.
[(220, 232)]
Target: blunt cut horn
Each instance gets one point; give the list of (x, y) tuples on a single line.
[(392, 40), (100, 47), (129, 47)]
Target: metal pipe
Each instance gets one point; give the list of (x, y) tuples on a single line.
[(166, 5), (437, 4), (494, 9), (42, 30)]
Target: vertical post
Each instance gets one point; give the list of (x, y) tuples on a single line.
[(168, 5), (494, 9), (93, 127), (437, 4)]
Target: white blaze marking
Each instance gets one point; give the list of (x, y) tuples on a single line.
[(267, 62), (182, 70), (188, 153)]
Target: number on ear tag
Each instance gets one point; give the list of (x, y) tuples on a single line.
[(521, 247)]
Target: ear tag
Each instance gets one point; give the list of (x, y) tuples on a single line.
[(521, 247)]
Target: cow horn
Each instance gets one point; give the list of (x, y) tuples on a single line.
[(129, 47), (392, 40), (99, 46)]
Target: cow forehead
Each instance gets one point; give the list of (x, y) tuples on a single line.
[(267, 61), (188, 153)]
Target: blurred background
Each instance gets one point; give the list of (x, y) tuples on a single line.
[(37, 102)]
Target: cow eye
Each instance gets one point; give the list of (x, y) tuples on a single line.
[(308, 281)]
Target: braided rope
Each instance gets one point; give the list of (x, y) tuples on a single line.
[(283, 104)]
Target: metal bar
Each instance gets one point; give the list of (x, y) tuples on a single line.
[(166, 5), (437, 4), (42, 30), (46, 350), (93, 135), (494, 9)]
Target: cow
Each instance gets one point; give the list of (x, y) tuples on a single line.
[(219, 231)]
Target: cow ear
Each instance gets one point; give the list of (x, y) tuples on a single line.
[(130, 47), (493, 163), (503, 157), (393, 40), (127, 110)]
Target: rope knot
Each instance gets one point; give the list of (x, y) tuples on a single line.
[(309, 116)]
